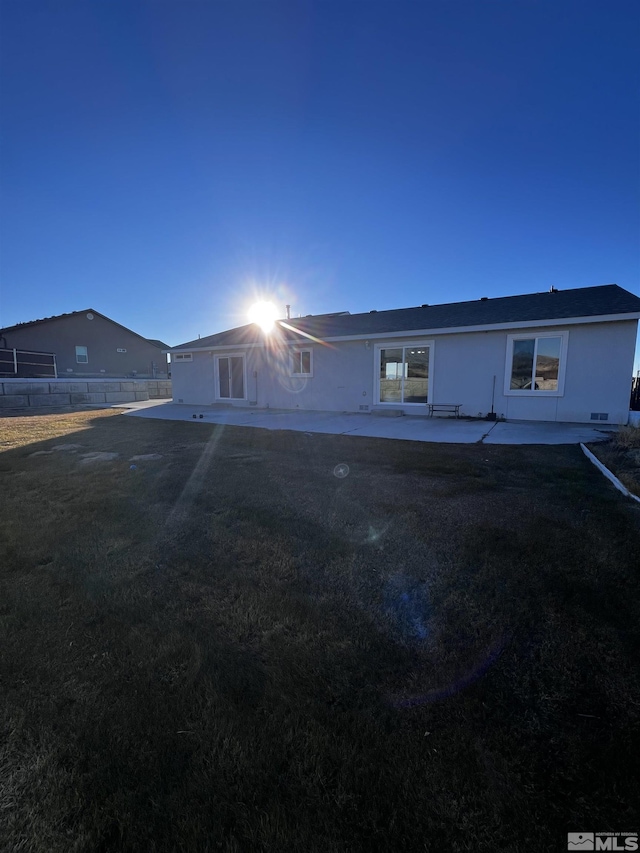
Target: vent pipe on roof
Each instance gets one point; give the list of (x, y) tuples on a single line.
[(484, 299), (288, 309), (553, 289)]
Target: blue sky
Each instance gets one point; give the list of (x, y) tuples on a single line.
[(167, 162)]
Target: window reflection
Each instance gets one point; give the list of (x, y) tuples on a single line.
[(404, 374), (545, 353), (548, 363)]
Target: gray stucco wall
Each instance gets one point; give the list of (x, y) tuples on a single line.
[(598, 373), (599, 367), (102, 338)]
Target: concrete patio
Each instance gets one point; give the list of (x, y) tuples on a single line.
[(448, 430)]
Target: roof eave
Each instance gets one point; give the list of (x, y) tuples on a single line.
[(439, 330), (490, 327)]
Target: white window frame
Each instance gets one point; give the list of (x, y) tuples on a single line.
[(182, 356), (562, 367), (216, 369), (396, 345), (82, 358), (298, 351)]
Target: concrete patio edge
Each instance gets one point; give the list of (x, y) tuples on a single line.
[(443, 430)]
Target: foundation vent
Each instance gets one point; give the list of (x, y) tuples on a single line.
[(599, 416), (363, 408)]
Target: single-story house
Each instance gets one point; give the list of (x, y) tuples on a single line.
[(89, 345), (561, 355)]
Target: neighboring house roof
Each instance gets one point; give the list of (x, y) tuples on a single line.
[(19, 326), (604, 300)]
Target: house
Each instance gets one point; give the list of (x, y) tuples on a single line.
[(87, 344), (561, 355)]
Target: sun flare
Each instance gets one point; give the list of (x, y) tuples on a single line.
[(264, 314)]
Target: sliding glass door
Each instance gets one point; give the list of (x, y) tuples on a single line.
[(403, 374), (230, 377)]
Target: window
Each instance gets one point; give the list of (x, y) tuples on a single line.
[(301, 362), (182, 356), (82, 355), (535, 364), (403, 373)]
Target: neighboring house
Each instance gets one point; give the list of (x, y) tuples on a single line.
[(88, 344), (553, 356)]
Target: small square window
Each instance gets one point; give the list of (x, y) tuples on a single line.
[(82, 355), (301, 362)]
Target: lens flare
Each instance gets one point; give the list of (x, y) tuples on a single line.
[(264, 314)]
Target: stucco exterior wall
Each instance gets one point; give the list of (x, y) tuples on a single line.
[(599, 366), (102, 338), (193, 381), (598, 373)]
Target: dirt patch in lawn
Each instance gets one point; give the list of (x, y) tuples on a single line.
[(97, 456), (277, 641)]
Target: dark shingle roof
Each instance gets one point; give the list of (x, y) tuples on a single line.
[(608, 299), (48, 319), (86, 311)]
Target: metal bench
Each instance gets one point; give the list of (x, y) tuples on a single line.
[(444, 407)]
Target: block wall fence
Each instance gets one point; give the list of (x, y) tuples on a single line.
[(32, 393)]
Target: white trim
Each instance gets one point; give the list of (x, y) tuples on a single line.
[(376, 370), (562, 367), (299, 349), (216, 375), (439, 330)]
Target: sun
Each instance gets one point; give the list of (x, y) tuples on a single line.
[(264, 314)]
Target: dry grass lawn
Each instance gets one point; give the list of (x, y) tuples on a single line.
[(621, 455), (231, 648)]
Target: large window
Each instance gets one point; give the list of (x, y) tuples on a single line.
[(404, 374), (82, 355), (535, 364)]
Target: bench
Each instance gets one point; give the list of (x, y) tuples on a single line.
[(444, 407)]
